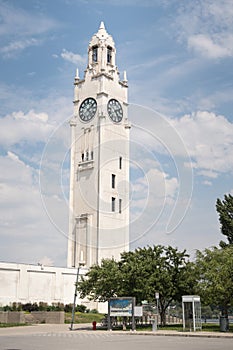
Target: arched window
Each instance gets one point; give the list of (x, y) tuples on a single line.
[(113, 203), (95, 53), (113, 180), (109, 54), (120, 162), (120, 205)]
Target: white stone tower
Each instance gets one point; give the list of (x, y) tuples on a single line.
[(99, 176)]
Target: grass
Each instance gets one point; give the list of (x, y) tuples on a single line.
[(208, 327), (5, 325), (83, 317), (214, 327)]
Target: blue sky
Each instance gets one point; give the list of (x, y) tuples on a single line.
[(179, 61)]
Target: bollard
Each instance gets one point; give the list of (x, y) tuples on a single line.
[(154, 325), (94, 325)]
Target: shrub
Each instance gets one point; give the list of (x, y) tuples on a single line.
[(80, 308), (30, 307), (94, 311), (68, 307)]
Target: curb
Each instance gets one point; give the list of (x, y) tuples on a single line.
[(174, 334), (193, 335)]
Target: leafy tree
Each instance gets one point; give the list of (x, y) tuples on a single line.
[(225, 211), (215, 267), (157, 269), (101, 282), (140, 274)]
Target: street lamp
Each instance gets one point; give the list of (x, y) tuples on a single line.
[(81, 263)]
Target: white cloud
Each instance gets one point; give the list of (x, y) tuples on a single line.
[(30, 127), (24, 224), (16, 46), (12, 167), (72, 57), (213, 100), (46, 261), (16, 21), (153, 195), (206, 27), (203, 44), (208, 183), (204, 136), (209, 140), (18, 190), (21, 29), (206, 46)]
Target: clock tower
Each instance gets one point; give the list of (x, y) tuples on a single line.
[(99, 169)]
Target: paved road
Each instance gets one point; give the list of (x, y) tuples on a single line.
[(106, 341), (52, 338)]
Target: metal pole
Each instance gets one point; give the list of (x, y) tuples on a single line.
[(157, 300), (133, 317), (75, 296), (194, 316)]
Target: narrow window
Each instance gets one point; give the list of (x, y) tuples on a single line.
[(120, 205), (120, 163), (82, 157), (109, 54), (113, 203), (92, 155), (95, 53), (113, 180)]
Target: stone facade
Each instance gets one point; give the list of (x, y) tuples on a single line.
[(22, 283), (53, 317), (99, 174)]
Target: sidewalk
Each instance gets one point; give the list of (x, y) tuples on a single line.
[(64, 329), (189, 334)]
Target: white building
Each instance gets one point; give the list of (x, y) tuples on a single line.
[(23, 283), (99, 183), (99, 176)]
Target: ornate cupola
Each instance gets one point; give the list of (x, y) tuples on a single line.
[(102, 53)]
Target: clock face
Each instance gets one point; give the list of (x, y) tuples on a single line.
[(115, 110), (87, 109)]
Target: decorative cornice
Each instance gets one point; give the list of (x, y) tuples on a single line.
[(102, 93)]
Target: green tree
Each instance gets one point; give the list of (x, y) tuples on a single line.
[(140, 274), (215, 268), (157, 269), (225, 211), (101, 282)]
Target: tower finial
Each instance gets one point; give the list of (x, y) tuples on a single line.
[(102, 26), (125, 77), (77, 74)]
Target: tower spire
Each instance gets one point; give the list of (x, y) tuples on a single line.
[(102, 26)]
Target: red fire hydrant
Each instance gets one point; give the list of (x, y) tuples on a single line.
[(94, 325)]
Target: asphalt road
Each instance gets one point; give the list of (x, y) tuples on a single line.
[(107, 340)]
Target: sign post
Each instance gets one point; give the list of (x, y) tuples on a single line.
[(121, 307), (157, 302)]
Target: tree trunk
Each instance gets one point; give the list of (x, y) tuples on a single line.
[(225, 314), (225, 311), (163, 317)]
